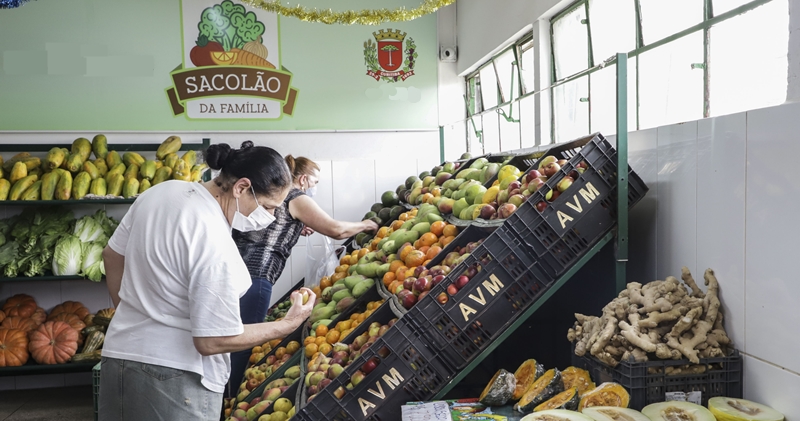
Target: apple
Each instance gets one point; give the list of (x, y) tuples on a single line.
[(516, 200), (324, 383), (339, 392), (561, 162), (240, 414), (541, 206), (357, 378), (450, 258), (462, 281), (532, 175), (564, 184), (270, 360), (547, 160), (370, 365), (535, 185), (418, 271), (252, 384), (442, 298), (409, 300), (502, 197), (243, 406), (383, 330), (436, 280), (452, 289), (506, 210), (408, 283), (582, 164), (421, 285), (514, 185), (422, 295), (340, 347), (305, 296), (471, 272), (551, 169), (552, 195), (513, 193), (313, 390)]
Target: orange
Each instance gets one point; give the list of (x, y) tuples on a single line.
[(361, 318), (396, 225), (427, 198), (424, 249), (438, 227), (310, 350), (325, 348), (395, 265), (325, 282), (354, 259), (332, 337), (415, 258), (345, 260), (341, 268), (450, 230), (401, 273), (319, 340), (433, 251), (253, 359), (403, 217), (436, 192), (417, 244), (345, 324), (362, 252), (404, 252), (224, 58), (382, 232), (355, 324), (389, 277), (393, 286), (337, 276), (447, 240), (256, 349), (308, 340), (316, 290), (322, 330), (425, 263), (346, 333)]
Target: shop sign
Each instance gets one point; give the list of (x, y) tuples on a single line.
[(231, 64), (387, 59)]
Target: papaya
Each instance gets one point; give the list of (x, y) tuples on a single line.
[(101, 166), (182, 171), (113, 159), (148, 170), (81, 146), (362, 287), (33, 192), (114, 185), (171, 159), (190, 158), (162, 174), (196, 175), (100, 146), (64, 186), (8, 165), (117, 169), (130, 187), (49, 183), (90, 169), (129, 158), (18, 172), (75, 163), (159, 163), (98, 187), (144, 185), (55, 157), (20, 186), (81, 184), (132, 171), (5, 186), (171, 145)]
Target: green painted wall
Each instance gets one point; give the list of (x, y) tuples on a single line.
[(104, 65)]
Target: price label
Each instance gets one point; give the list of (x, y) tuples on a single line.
[(695, 397)]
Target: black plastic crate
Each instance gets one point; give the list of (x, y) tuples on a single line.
[(523, 162), (297, 335), (466, 235), (408, 373), (290, 393), (286, 296), (508, 283), (382, 314), (579, 217), (647, 382), (359, 305), (258, 390)]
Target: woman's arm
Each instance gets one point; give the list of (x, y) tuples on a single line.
[(115, 265), (308, 212), (258, 333)]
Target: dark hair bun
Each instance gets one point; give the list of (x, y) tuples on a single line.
[(216, 155), (247, 144)]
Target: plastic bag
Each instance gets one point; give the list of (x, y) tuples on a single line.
[(316, 268)]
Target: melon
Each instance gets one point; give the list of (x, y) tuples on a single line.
[(556, 415), (613, 413), (732, 409), (677, 411)]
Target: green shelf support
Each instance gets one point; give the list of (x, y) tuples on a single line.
[(622, 172), (524, 316)]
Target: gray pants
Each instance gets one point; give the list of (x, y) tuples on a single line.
[(134, 391)]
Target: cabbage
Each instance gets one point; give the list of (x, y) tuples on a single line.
[(92, 266), (88, 230), (68, 256)]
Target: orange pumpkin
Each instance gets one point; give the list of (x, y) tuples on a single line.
[(39, 316), (13, 347), (73, 307), (71, 319), (20, 305), (54, 342), (25, 324)]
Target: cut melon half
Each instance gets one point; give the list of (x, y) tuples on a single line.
[(556, 415), (677, 411), (613, 413), (731, 409)]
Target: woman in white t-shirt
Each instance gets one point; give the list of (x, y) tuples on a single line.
[(176, 276)]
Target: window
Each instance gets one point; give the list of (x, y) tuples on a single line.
[(506, 69), (688, 59), (526, 67)]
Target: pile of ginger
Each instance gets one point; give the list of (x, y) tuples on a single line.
[(661, 320)]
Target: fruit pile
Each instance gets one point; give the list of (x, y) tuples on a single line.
[(28, 331), (271, 405), (322, 338), (65, 174), (338, 297), (278, 311), (262, 368)]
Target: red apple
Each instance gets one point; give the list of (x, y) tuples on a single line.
[(532, 175), (408, 283), (452, 289), (462, 281), (541, 206), (422, 295), (442, 298), (436, 279), (370, 365), (514, 185), (551, 169), (506, 210), (421, 284)]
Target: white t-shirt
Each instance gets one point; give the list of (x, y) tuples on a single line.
[(183, 278)]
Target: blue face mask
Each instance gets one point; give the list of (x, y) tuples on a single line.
[(310, 192), (257, 221)]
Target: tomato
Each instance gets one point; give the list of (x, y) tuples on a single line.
[(201, 55)]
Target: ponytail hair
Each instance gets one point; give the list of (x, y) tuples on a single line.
[(263, 166), (300, 166)]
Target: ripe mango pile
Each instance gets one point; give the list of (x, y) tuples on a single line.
[(65, 174)]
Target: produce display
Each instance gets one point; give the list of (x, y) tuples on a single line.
[(272, 404), (259, 372), (731, 409), (47, 240), (556, 415), (499, 390), (668, 411), (541, 390), (278, 311), (659, 320), (65, 174), (69, 333), (612, 413), (606, 394), (322, 338)]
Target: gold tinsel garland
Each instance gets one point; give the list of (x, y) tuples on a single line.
[(350, 17)]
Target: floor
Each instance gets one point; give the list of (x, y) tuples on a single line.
[(74, 403)]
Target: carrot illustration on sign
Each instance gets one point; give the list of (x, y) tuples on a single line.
[(227, 34)]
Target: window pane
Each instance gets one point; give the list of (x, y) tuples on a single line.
[(527, 70), (571, 116), (488, 87), (603, 99), (474, 127), (570, 43), (473, 96), (670, 91), (721, 6), (527, 122), (661, 19), (491, 133), (505, 72), (612, 23), (509, 130), (748, 66)]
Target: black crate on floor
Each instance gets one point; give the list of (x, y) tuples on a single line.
[(469, 321), (647, 382), (408, 373), (571, 224)]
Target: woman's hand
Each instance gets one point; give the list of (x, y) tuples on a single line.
[(299, 312), (306, 231), (370, 225)]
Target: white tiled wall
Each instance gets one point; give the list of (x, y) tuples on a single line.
[(723, 196), (355, 169)]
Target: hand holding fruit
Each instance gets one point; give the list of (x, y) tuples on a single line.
[(370, 225), (302, 304)]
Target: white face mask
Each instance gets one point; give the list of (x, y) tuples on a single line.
[(310, 192), (257, 221)]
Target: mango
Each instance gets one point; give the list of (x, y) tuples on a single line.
[(459, 206), (467, 212), (490, 195), (341, 294), (351, 281), (321, 313), (479, 163), (422, 228), (466, 172), (344, 303), (363, 287)]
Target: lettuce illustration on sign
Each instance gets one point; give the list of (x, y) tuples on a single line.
[(230, 25)]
